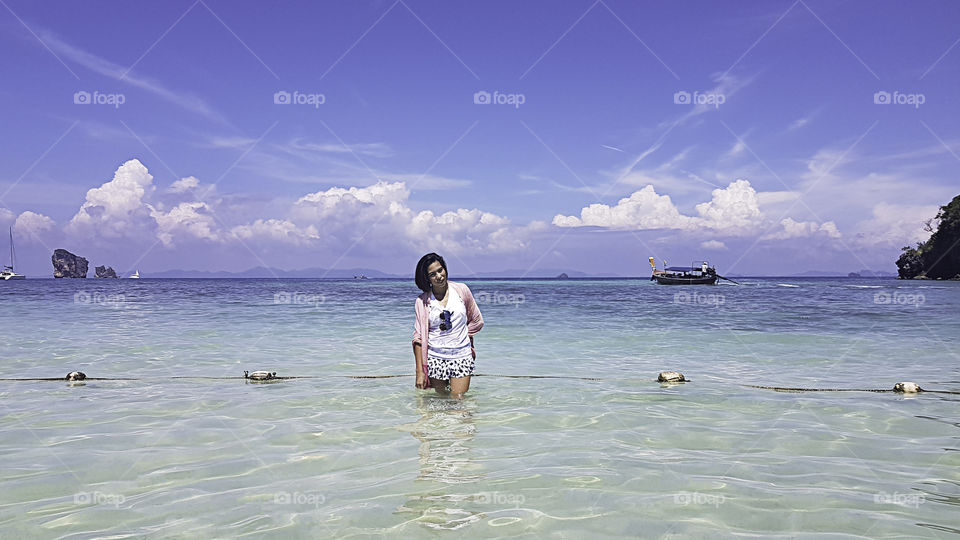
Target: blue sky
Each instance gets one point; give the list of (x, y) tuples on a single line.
[(768, 137)]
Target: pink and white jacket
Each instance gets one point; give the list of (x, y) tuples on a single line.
[(421, 327)]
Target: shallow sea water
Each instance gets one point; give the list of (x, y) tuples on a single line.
[(604, 450)]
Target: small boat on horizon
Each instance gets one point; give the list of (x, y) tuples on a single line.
[(8, 274), (698, 273), (135, 275)]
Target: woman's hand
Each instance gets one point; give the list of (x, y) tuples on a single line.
[(421, 380)]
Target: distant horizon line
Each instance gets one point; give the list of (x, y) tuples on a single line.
[(263, 272), (551, 278)]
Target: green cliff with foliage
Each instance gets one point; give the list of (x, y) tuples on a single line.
[(938, 257)]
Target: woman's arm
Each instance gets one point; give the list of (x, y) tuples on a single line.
[(418, 357), (419, 337)]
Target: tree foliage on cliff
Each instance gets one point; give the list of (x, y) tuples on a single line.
[(938, 257)]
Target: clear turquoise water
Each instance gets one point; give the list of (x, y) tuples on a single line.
[(623, 456)]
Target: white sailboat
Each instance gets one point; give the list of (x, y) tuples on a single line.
[(135, 275), (8, 274)]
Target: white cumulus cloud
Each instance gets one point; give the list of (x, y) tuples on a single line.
[(184, 184), (803, 229), (192, 220), (713, 245), (34, 224), (464, 230), (126, 208), (644, 209), (338, 202), (895, 226), (380, 215), (376, 217), (116, 208), (276, 230), (734, 209)]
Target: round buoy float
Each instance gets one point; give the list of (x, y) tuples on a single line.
[(671, 376), (907, 388), (75, 376), (260, 375)]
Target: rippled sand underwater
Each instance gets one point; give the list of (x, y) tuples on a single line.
[(622, 456)]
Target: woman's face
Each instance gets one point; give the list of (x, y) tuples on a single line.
[(436, 274)]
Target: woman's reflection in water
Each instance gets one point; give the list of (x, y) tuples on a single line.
[(445, 431)]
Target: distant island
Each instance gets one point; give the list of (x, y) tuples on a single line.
[(68, 265), (938, 257)]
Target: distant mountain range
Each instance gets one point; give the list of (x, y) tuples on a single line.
[(348, 273), (541, 273), (863, 273), (264, 272)]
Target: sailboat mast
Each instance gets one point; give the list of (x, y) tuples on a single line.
[(11, 248)]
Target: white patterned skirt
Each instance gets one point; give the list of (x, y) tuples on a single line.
[(445, 369)]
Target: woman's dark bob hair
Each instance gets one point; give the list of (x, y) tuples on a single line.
[(423, 282)]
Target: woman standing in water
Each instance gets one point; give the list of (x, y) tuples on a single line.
[(447, 319)]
